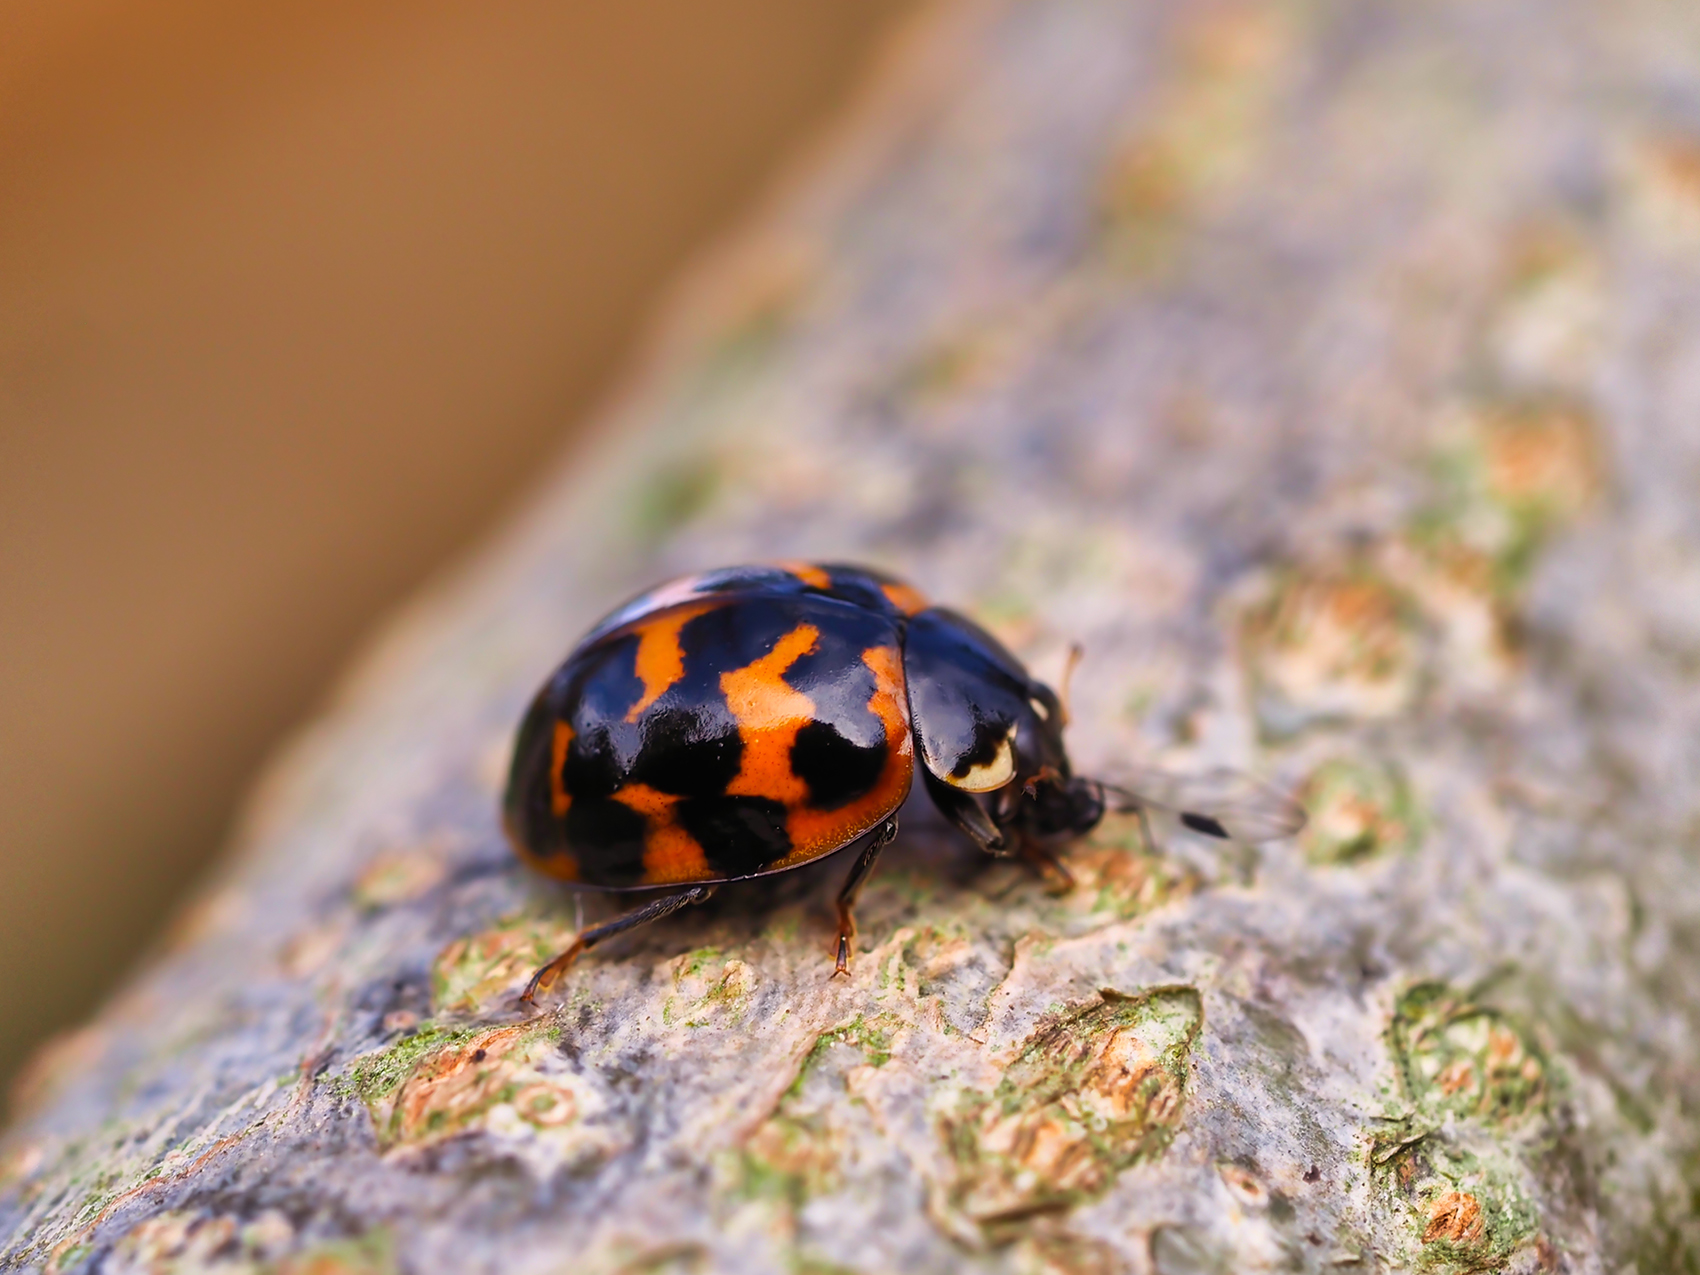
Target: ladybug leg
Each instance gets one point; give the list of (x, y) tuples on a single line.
[(965, 813), (1046, 866), (853, 887), (545, 977)]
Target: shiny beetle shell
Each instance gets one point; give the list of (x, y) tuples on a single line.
[(745, 721)]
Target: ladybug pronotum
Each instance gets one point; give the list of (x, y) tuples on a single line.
[(749, 720)]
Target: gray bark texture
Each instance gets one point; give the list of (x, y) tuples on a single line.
[(1331, 371)]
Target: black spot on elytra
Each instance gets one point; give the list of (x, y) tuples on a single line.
[(693, 754), (739, 836), (602, 683), (607, 837), (837, 770)]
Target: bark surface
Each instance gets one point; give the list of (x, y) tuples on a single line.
[(1331, 371)]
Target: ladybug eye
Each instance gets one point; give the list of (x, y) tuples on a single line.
[(990, 774)]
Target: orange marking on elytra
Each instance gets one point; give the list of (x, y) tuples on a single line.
[(649, 802), (808, 573), (769, 713), (660, 659), (559, 798), (816, 832), (906, 599), (670, 854)]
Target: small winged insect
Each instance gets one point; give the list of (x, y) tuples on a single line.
[(1220, 804), (746, 721)]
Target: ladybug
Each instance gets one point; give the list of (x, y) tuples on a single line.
[(749, 720)]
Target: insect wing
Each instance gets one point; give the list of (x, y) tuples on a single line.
[(1222, 803)]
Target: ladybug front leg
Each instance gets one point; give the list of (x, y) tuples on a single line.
[(964, 811), (853, 888), (545, 977)]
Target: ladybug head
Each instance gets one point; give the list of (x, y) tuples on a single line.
[(1045, 800), (991, 739)]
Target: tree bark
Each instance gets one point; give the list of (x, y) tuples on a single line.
[(1329, 372)]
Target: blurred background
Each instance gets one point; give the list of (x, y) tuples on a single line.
[(293, 301)]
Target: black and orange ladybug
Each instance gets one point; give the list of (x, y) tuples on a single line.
[(748, 720)]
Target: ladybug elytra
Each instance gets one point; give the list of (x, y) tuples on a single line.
[(749, 720)]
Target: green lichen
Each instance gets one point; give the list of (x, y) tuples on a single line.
[(1092, 1094), (792, 1158), (804, 1264), (937, 372), (1670, 1241), (702, 1000), (873, 1039), (1464, 1202), (695, 962), (1458, 1169), (376, 1076), (1198, 138), (472, 971), (1332, 643), (794, 1155), (1516, 473), (1456, 1058), (443, 1080), (1119, 874), (1358, 810)]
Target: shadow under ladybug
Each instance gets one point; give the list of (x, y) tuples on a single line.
[(750, 720)]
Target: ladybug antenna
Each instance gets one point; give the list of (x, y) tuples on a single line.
[(1075, 651)]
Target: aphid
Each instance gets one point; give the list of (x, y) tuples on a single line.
[(749, 720)]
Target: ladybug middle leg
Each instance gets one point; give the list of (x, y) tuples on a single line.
[(853, 888), (545, 977)]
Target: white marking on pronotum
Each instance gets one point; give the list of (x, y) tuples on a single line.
[(991, 774)]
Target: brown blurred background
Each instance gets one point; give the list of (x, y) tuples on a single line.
[(292, 300)]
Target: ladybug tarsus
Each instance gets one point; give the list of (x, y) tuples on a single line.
[(546, 975), (853, 889)]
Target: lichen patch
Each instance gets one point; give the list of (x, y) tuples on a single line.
[(1509, 473), (474, 972), (1357, 810), (1463, 1173), (1548, 325), (1116, 874), (188, 1242), (1461, 1059), (1092, 1094), (1461, 1204), (709, 990), (1454, 1216), (509, 1083), (1332, 643), (398, 876)]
